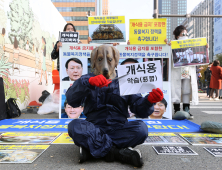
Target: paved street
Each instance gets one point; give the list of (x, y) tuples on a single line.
[(66, 156)]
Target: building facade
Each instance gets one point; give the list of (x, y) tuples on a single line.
[(76, 11), (202, 27), (168, 7)]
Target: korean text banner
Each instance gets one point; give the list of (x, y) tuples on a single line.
[(147, 31), (144, 51), (141, 78), (107, 29), (141, 53), (189, 52), (194, 42), (106, 20)]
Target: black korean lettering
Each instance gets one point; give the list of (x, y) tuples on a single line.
[(132, 69), (145, 79), (136, 80), (139, 68), (151, 78), (150, 68), (130, 80)]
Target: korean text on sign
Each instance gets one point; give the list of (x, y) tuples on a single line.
[(141, 77), (147, 31)]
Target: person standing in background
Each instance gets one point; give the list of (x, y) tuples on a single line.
[(207, 75), (216, 79), (69, 27)]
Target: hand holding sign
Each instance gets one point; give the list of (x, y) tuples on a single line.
[(155, 96), (99, 81)]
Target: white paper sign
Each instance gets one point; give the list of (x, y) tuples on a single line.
[(141, 78)]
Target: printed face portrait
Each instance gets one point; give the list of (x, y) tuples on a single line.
[(73, 113), (159, 109), (74, 70)]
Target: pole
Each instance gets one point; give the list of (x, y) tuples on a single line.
[(188, 16), (155, 12)]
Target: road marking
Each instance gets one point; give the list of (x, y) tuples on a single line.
[(206, 107), (212, 112), (210, 104)]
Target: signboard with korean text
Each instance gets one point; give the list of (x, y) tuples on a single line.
[(73, 64), (174, 150), (215, 151), (71, 69), (69, 37), (190, 52), (21, 153), (202, 139), (64, 138), (27, 138), (106, 29), (164, 138), (147, 31), (144, 53), (140, 77), (61, 125)]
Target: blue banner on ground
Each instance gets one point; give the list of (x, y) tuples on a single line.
[(61, 125)]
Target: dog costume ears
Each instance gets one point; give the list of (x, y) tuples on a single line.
[(94, 54), (93, 57), (116, 55)]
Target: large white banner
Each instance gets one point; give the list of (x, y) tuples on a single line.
[(217, 27), (158, 53)]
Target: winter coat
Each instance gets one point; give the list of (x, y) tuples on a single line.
[(104, 106), (216, 77), (55, 55), (176, 85)]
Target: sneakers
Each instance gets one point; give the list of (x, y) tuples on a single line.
[(210, 98), (110, 157), (125, 155), (84, 155), (216, 98), (186, 109), (191, 116), (130, 156)]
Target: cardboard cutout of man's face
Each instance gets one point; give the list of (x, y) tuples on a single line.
[(72, 112), (159, 109), (74, 70)]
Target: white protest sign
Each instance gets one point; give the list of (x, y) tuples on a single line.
[(141, 78)]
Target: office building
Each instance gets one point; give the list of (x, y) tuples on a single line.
[(202, 27), (76, 11), (178, 7)]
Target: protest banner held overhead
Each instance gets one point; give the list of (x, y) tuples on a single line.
[(190, 52), (107, 29), (147, 31)]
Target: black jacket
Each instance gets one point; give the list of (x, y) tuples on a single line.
[(55, 55), (105, 105), (65, 79)]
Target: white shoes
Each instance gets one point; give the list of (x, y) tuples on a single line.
[(210, 98), (216, 98)]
